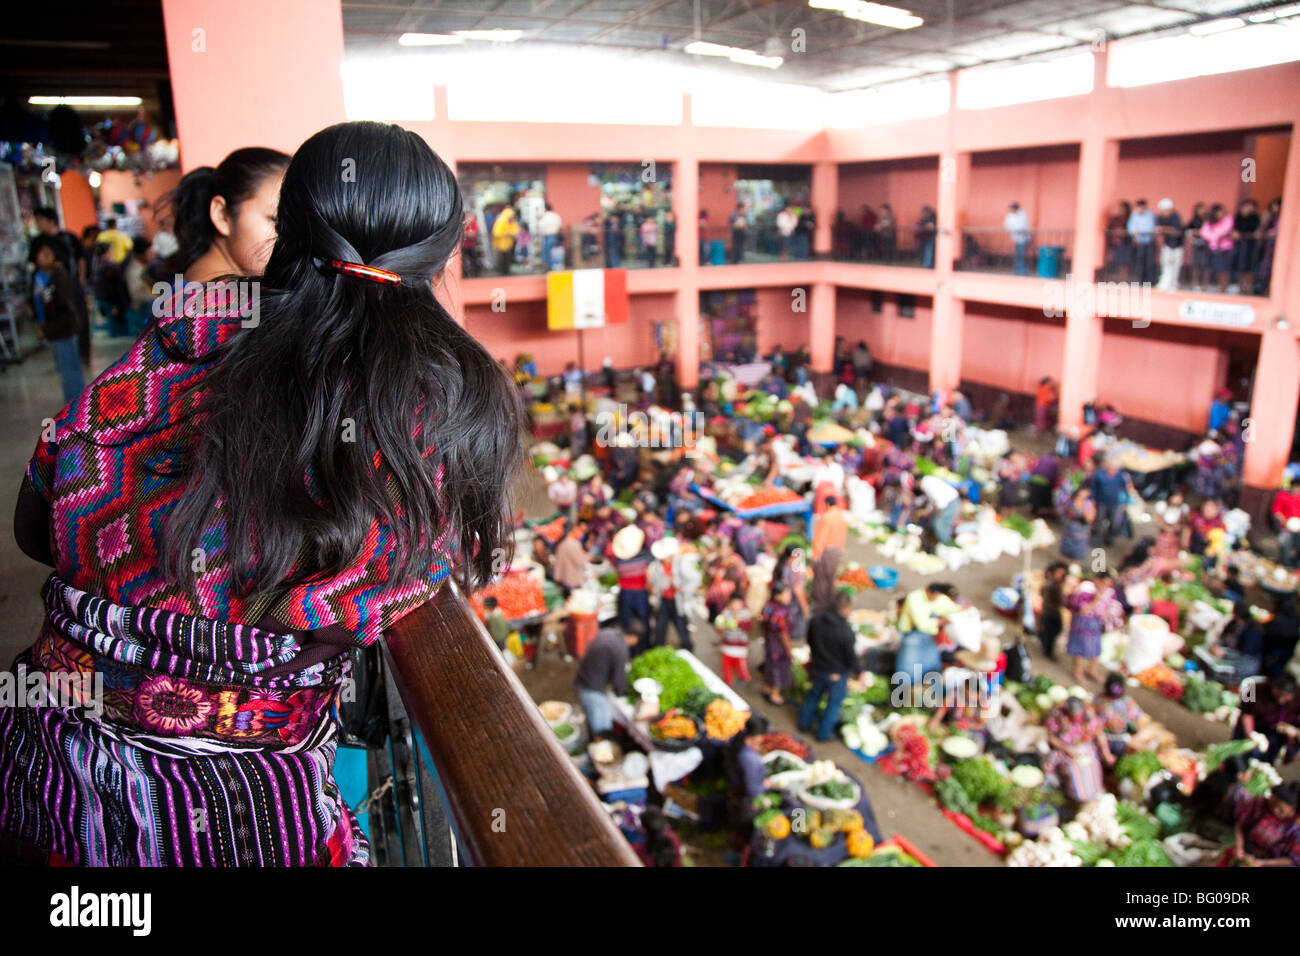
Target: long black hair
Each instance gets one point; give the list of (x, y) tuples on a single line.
[(336, 357), (188, 207)]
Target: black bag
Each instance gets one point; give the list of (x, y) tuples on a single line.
[(1018, 665)]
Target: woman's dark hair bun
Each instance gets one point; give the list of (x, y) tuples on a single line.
[(188, 208)]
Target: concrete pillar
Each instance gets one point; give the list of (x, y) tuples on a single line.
[(251, 73), (949, 316), (821, 327), (946, 339), (686, 206), (1271, 425), (1098, 162), (825, 200)]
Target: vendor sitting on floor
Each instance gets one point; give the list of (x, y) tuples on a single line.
[(1267, 831), (924, 612), (1078, 747), (1126, 726)]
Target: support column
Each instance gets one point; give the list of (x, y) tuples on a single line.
[(1269, 430), (825, 199), (686, 206), (821, 327), (946, 339), (251, 73), (1098, 161), (949, 316)]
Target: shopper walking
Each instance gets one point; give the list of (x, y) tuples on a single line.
[(832, 663), (54, 299)]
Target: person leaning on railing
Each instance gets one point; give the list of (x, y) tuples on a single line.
[(291, 488)]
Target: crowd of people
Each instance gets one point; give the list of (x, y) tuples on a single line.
[(621, 234), (1211, 249)]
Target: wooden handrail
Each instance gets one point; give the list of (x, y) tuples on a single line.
[(512, 793)]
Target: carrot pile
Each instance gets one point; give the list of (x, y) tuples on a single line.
[(768, 496)]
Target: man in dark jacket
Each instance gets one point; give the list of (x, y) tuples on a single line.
[(70, 254), (603, 665), (831, 665)]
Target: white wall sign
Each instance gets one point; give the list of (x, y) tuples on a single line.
[(1230, 314)]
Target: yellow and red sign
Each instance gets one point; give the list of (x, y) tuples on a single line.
[(586, 298)]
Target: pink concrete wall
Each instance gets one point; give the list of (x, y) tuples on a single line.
[(252, 73), (1043, 180), (1160, 374), (892, 339), (716, 196), (522, 328), (120, 186), (778, 323), (906, 184), (1270, 153), (568, 191), (1187, 169), (1010, 348)]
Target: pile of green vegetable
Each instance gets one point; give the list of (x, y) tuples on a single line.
[(1137, 766), (563, 731), (833, 790), (981, 780), (1201, 695), (697, 700), (1020, 525), (676, 676), (1216, 754)]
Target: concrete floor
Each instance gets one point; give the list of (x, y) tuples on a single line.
[(29, 393)]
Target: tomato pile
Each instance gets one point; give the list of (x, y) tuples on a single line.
[(1163, 678), (519, 594), (767, 496)]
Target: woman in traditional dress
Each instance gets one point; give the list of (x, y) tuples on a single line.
[(1079, 747), (234, 506)]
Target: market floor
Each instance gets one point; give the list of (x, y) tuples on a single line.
[(29, 393), (899, 805)]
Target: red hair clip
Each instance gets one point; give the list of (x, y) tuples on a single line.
[(359, 271)]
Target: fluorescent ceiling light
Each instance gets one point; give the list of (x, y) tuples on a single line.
[(733, 53), (1215, 26), (1277, 13), (428, 39), (877, 13), (84, 101), (491, 36)]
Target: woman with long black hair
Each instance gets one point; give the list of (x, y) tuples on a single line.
[(230, 508)]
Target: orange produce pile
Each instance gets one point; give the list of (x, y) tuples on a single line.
[(1153, 677), (552, 531), (857, 578), (519, 594), (723, 721), (768, 496), (674, 725)]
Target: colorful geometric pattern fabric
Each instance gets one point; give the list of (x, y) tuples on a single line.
[(213, 746)]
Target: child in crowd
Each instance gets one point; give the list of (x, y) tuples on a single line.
[(733, 628), (54, 296)]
